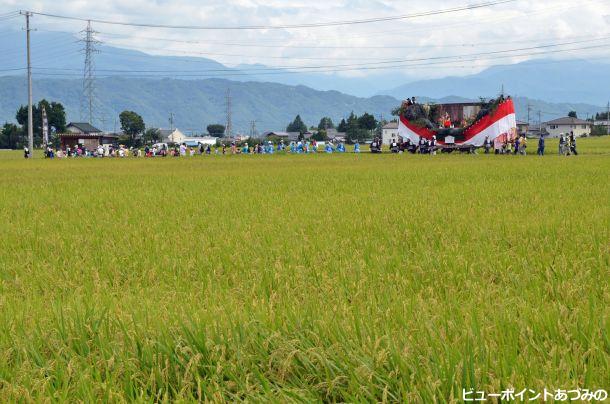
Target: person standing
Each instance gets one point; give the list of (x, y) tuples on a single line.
[(432, 146), (421, 145), (562, 142), (517, 145), (487, 144), (541, 145), (573, 144), (523, 146)]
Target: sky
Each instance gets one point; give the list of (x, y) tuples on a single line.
[(349, 50)]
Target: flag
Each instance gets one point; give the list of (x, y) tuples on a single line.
[(45, 127)]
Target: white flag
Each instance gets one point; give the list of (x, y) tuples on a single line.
[(45, 127)]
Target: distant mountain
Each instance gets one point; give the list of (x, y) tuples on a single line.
[(549, 80), (60, 54), (568, 81), (195, 103)]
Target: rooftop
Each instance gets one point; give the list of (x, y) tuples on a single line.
[(84, 127), (568, 121)]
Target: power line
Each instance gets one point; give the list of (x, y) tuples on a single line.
[(343, 38), (377, 65), (287, 26)]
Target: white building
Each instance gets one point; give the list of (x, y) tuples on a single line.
[(389, 133), (196, 141), (171, 136), (566, 125)]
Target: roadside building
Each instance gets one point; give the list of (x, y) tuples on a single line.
[(287, 137), (566, 125), (172, 136), (85, 134), (202, 140), (389, 133), (335, 136), (522, 127)]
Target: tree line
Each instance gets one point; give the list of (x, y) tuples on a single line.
[(356, 128)]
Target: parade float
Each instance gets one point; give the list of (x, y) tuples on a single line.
[(458, 126)]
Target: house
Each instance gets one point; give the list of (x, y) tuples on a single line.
[(389, 133), (285, 136), (566, 125), (334, 136), (85, 134), (171, 136), (522, 127), (196, 141)]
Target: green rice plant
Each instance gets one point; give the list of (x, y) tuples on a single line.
[(335, 278)]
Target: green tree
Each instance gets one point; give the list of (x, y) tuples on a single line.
[(216, 130), (297, 125), (572, 114), (599, 130), (342, 126), (56, 116), (152, 135), (132, 125), (326, 123), (601, 116), (11, 137), (379, 127), (320, 136), (367, 121)]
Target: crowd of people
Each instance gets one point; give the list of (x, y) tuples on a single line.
[(182, 150), (518, 145)]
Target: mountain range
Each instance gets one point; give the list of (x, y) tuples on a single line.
[(197, 103), (194, 88), (549, 80)]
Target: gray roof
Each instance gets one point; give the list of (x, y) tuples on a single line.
[(288, 135), (85, 127), (335, 135), (568, 121), (166, 132), (391, 125)]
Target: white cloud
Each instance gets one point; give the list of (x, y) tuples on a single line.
[(513, 25)]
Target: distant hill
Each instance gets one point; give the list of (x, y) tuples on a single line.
[(548, 80), (574, 81), (58, 50), (195, 103)]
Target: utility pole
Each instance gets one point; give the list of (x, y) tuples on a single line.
[(229, 128), (171, 121), (27, 15), (529, 109), (253, 129), (540, 121), (89, 71), (608, 119)]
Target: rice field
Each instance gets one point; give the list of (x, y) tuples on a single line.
[(334, 278)]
